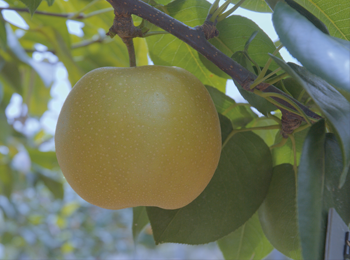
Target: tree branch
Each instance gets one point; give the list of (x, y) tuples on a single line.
[(195, 37), (74, 46), (80, 16)]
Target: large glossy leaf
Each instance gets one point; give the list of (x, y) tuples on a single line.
[(235, 192), (169, 51), (246, 243), (334, 107), (239, 114), (318, 189), (278, 213), (317, 51), (307, 14), (335, 197), (310, 191), (234, 33), (140, 220), (334, 14)]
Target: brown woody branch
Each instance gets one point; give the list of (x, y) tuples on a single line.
[(196, 38)]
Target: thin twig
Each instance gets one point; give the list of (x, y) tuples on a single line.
[(74, 46), (131, 50), (80, 16)]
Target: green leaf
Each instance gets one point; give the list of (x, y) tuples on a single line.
[(318, 175), (308, 15), (167, 50), (256, 101), (40, 67), (32, 5), (6, 180), (271, 3), (54, 186), (318, 189), (50, 2), (69, 208), (140, 220), (334, 14), (113, 54), (295, 89), (333, 105), (11, 74), (284, 154), (36, 95), (1, 92), (239, 114), (310, 191), (67, 248), (35, 219), (234, 33), (335, 197), (163, 2), (6, 238), (63, 52), (267, 135), (6, 130), (46, 160), (7, 92), (278, 213), (318, 52), (3, 35), (254, 5), (246, 243), (235, 192)]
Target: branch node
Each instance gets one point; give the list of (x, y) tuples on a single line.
[(290, 122), (123, 26), (209, 29)]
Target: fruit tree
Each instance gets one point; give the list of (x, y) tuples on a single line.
[(164, 139)]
